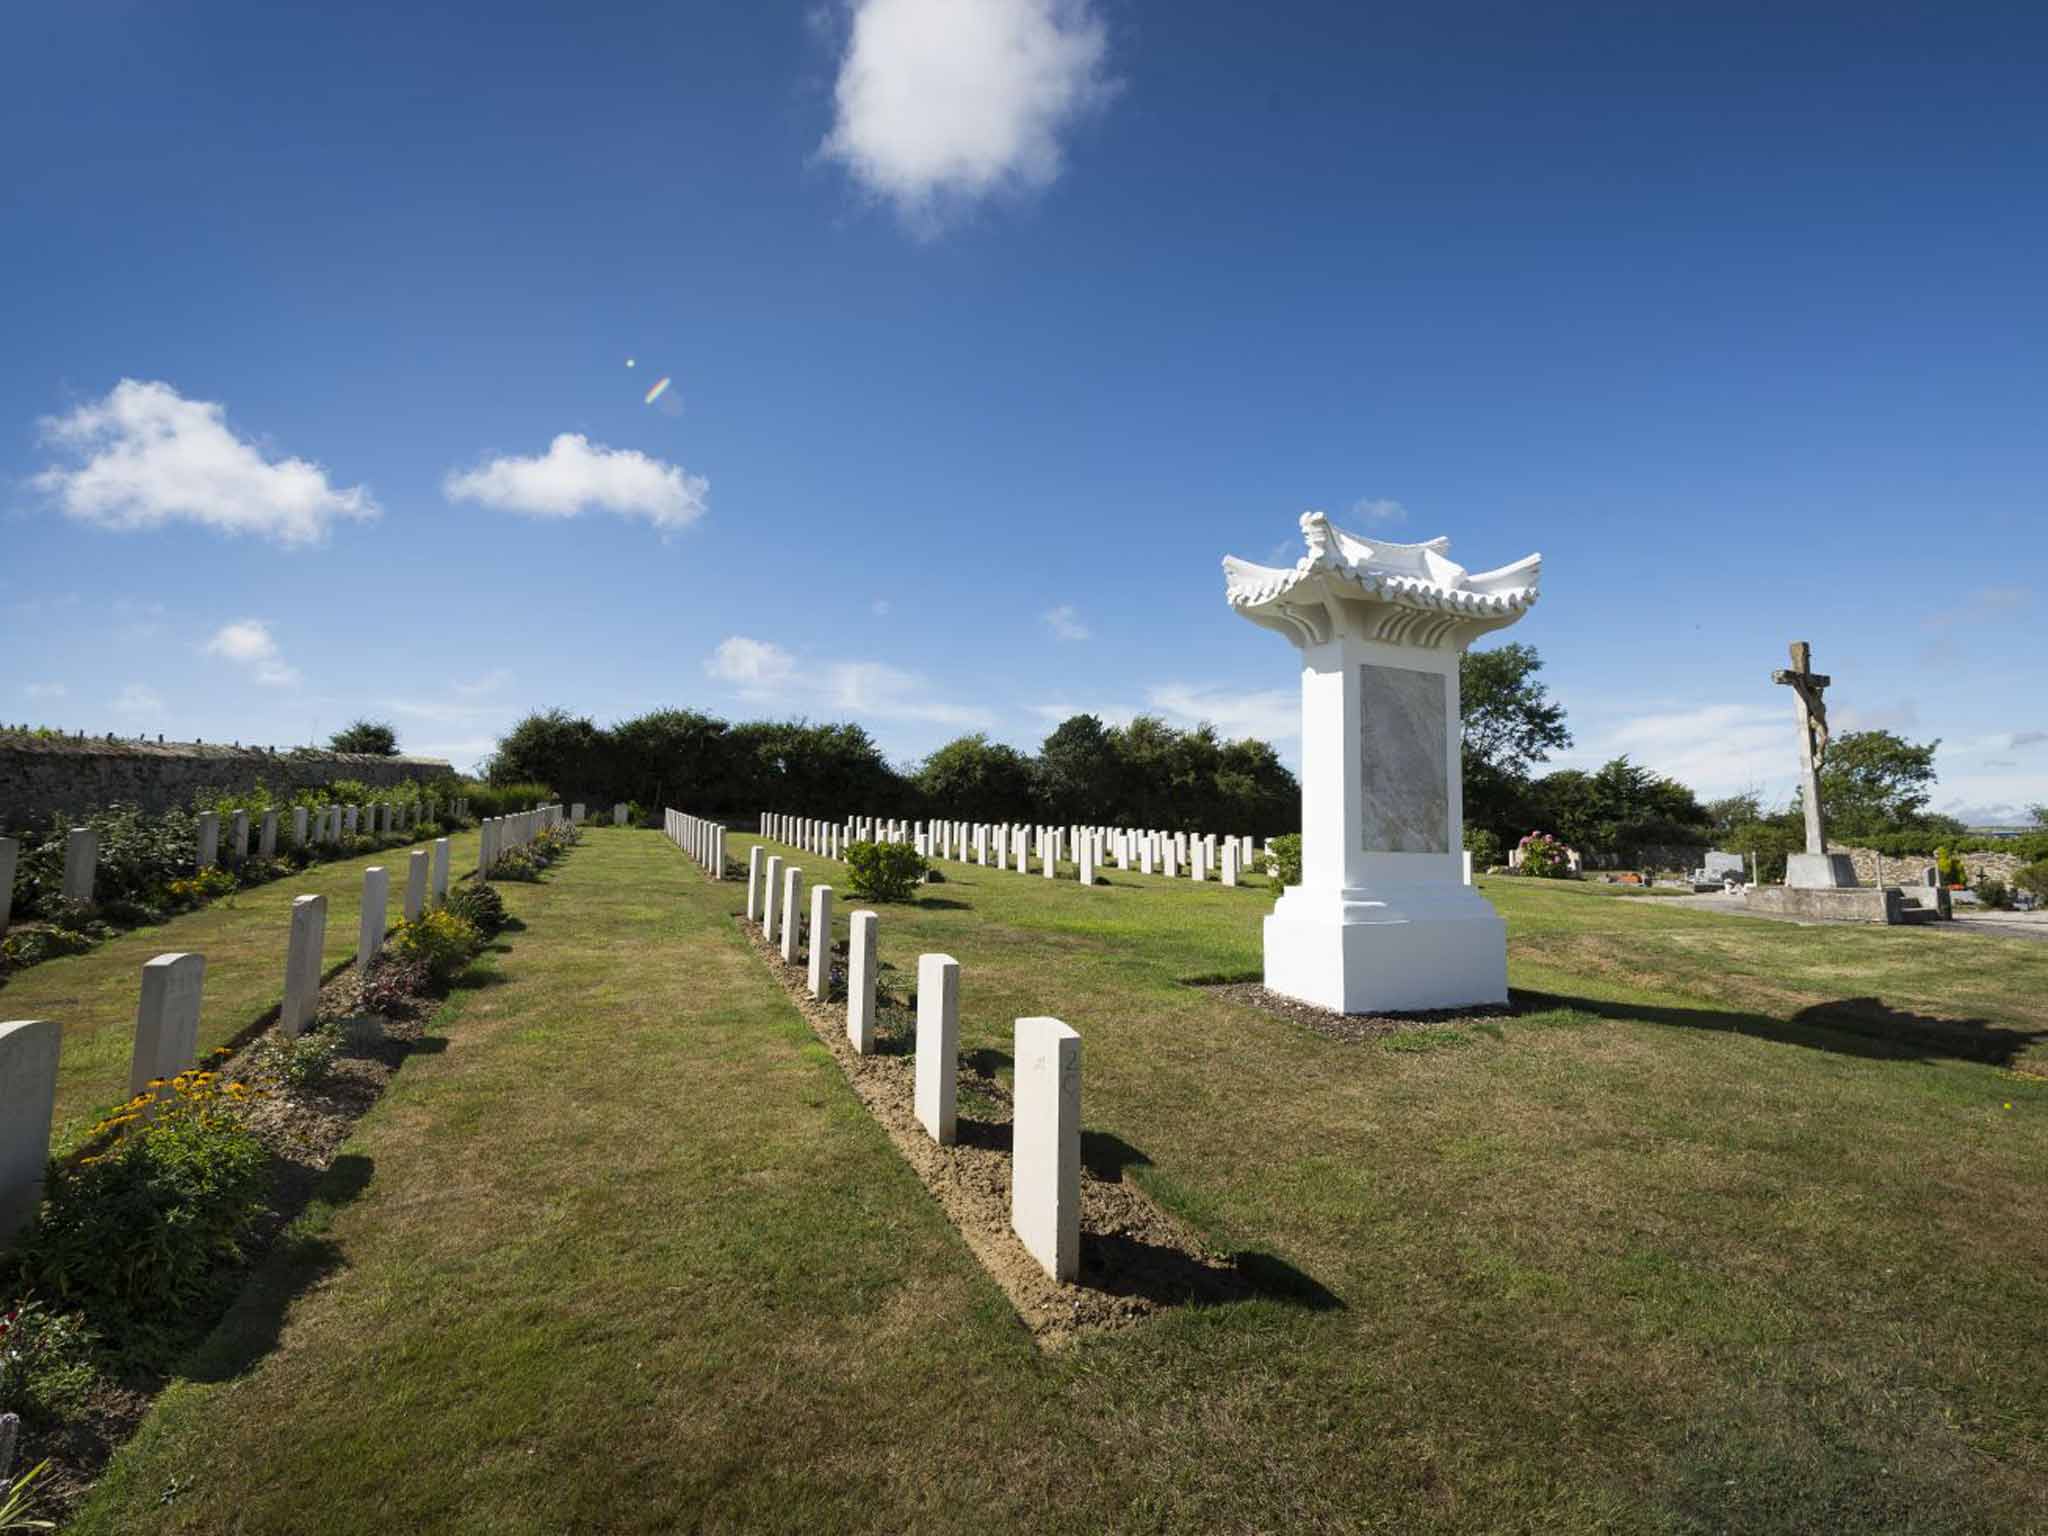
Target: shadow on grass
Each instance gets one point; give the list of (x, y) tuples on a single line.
[(1118, 1264), (941, 904), (250, 1327), (1251, 973), (990, 1062), (1851, 1026)]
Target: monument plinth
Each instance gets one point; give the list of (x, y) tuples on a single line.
[(1382, 920)]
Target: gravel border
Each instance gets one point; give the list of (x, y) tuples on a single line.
[(1350, 1028)]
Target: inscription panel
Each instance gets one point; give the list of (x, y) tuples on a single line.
[(1404, 726)]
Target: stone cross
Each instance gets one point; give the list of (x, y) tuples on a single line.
[(1811, 710)]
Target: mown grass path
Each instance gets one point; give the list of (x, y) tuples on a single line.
[(628, 1256), (94, 995)]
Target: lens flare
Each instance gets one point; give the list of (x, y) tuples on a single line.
[(629, 362), (660, 387)]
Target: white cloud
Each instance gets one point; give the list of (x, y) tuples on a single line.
[(148, 456), (248, 642), (761, 671), (46, 690), (138, 700), (1714, 749), (942, 102), (1379, 509), (1270, 714), (756, 667), (879, 607), (576, 476), (1065, 623), (490, 682)]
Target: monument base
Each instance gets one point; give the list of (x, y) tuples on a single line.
[(1859, 904), (1396, 948), (1820, 871)]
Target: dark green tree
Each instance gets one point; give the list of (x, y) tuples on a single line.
[(1877, 781), (1510, 725), (974, 777), (373, 738), (1079, 772), (552, 747)]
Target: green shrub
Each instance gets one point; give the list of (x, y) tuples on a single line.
[(480, 906), (131, 1234), (1483, 843), (31, 946), (2033, 878), (439, 940), (884, 871), (1951, 867), (1994, 894), (45, 1361), (1544, 857), (1283, 859), (521, 865), (298, 1064)]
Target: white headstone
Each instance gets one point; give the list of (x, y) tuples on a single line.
[(416, 864), (28, 1097), (819, 975), (1230, 862), (1381, 920), (166, 1019), (302, 964), (1045, 1158), (370, 930), (299, 819), (771, 892), (619, 814), (756, 857), (938, 1045), (81, 863), (792, 912), (1086, 854), (209, 839), (860, 980), (266, 837)]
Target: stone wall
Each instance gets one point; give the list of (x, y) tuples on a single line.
[(1873, 868), (41, 777)]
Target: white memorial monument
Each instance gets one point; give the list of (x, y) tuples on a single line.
[(1382, 920)]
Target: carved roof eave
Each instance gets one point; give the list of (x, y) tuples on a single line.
[(1321, 597)]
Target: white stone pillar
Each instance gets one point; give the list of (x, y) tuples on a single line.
[(416, 884), (302, 964), (207, 852), (440, 876), (238, 835), (166, 1019), (1045, 1158), (28, 1097), (718, 853), (756, 859), (819, 975), (299, 818), (938, 1045), (81, 863), (1230, 862), (370, 929), (792, 913), (1468, 866), (860, 980), (771, 893), (1382, 920), (266, 836), (1086, 854)]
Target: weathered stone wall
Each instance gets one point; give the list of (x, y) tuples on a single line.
[(1873, 868), (41, 777)]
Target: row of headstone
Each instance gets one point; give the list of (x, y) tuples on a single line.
[(1017, 845), (499, 835), (318, 825), (167, 1024), (1045, 1163), (702, 840)]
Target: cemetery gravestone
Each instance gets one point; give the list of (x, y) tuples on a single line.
[(415, 884), (81, 864), (1045, 1161), (792, 912), (167, 1019), (938, 1045), (370, 929), (820, 972), (209, 839), (28, 1097), (860, 980), (440, 871), (1382, 919)]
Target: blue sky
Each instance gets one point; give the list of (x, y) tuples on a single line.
[(992, 325)]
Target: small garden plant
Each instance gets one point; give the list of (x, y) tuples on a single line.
[(1544, 857), (884, 871)]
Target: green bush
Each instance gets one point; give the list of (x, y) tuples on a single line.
[(440, 941), (480, 906), (45, 1361), (1544, 857), (2033, 878), (521, 865), (884, 871), (1483, 843), (1283, 859), (1994, 894), (1951, 867), (298, 1064), (31, 946), (131, 1234)]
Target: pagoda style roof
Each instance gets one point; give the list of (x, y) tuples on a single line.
[(1401, 594)]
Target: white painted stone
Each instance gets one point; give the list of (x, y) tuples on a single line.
[(718, 853), (299, 820), (1468, 866), (166, 1019), (81, 863), (1086, 853), (28, 1097), (938, 1045), (238, 835), (10, 858), (1229, 872), (791, 907), (302, 964), (416, 864), (1382, 920), (1145, 855), (208, 852), (266, 836), (771, 894), (860, 980), (1172, 859), (1045, 1158), (440, 875), (819, 974), (370, 929), (756, 861)]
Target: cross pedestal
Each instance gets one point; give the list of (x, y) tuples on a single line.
[(1382, 920)]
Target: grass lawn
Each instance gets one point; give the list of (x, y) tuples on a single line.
[(1729, 1230), (243, 937)]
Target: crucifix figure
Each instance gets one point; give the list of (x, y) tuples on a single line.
[(1807, 687)]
